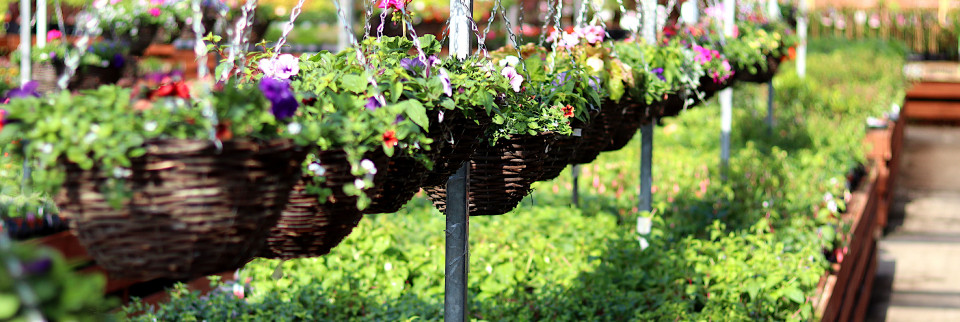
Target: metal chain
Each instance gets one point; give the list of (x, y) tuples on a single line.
[(482, 42), (360, 57), (287, 28), (247, 14), (199, 47), (546, 23), (368, 15), (237, 36), (503, 12), (60, 24), (89, 28)]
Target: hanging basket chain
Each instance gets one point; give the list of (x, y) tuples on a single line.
[(360, 57), (516, 40), (546, 23), (368, 15), (482, 42), (237, 36), (287, 28), (89, 28)]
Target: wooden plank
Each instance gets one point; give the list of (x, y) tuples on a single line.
[(931, 110), (64, 242), (825, 299), (862, 262), (867, 290), (934, 91)]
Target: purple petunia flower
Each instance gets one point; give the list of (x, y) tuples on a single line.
[(399, 119), (373, 104), (560, 79), (282, 101), (445, 80), (659, 73), (28, 89), (38, 267), (594, 82), (413, 65)]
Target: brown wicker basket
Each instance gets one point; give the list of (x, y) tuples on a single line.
[(46, 75), (396, 186), (456, 140), (500, 175), (761, 76), (594, 134), (193, 210), (630, 116), (558, 154), (308, 228)]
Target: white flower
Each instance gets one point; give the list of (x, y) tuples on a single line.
[(294, 128), (359, 183), (46, 148), (827, 197), (832, 205), (317, 169), (387, 266), (509, 61), (150, 126), (89, 138), (368, 165), (595, 64)]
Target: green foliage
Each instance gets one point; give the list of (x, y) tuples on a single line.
[(59, 293), (748, 248)]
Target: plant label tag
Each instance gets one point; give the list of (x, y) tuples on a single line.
[(643, 243), (577, 132), (643, 225)]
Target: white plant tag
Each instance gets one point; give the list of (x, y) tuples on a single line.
[(643, 225)]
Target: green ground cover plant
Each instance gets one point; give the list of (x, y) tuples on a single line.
[(747, 248)]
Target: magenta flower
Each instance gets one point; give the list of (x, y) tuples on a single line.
[(54, 34), (392, 4), (155, 12), (283, 103), (592, 34)]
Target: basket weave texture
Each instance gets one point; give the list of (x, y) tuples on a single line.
[(500, 175), (762, 76), (309, 228), (396, 186), (557, 155), (455, 142), (193, 210)]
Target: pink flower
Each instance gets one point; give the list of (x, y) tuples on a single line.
[(54, 34), (392, 4), (592, 34), (516, 80), (155, 12)]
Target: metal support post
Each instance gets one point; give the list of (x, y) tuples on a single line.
[(802, 34), (575, 171), (771, 120), (646, 166), (25, 42), (41, 23), (458, 187), (726, 96)]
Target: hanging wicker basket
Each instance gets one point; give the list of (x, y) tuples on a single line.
[(630, 120), (192, 211), (309, 228), (762, 75), (500, 175), (396, 186), (46, 75), (597, 133), (457, 139), (145, 35), (558, 154)]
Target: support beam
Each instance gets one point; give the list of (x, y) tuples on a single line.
[(802, 34), (726, 95), (649, 22), (458, 187), (575, 171), (771, 119), (41, 23), (25, 42)]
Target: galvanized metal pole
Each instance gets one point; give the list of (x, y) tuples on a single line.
[(646, 131), (575, 171), (802, 34), (771, 120), (726, 95), (458, 187), (25, 42), (345, 36), (41, 23)]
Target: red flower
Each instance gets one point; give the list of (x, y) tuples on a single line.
[(178, 89), (3, 119), (223, 131), (390, 138), (567, 110)]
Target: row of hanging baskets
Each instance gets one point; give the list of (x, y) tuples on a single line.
[(189, 179)]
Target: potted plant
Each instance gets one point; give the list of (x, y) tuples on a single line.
[(172, 182)]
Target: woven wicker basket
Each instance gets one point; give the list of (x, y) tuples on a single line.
[(193, 210), (500, 175), (630, 120), (596, 134), (45, 74), (457, 139), (762, 76), (396, 186), (558, 154), (308, 228)]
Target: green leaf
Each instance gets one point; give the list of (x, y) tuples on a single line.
[(9, 305), (354, 83), (416, 112), (794, 294)]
